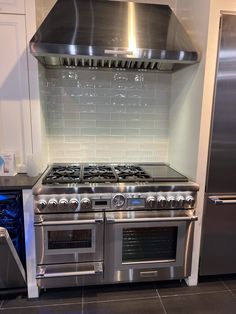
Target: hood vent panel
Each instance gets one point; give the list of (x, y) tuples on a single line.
[(84, 62), (112, 34)]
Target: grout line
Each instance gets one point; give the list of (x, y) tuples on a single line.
[(72, 303), (231, 291), (228, 289), (189, 294), (82, 300), (161, 301), (119, 300), (37, 306)]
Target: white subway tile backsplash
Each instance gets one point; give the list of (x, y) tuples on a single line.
[(95, 131), (79, 123), (140, 124), (107, 140), (95, 116), (139, 139), (105, 116), (70, 99), (125, 116), (88, 140), (110, 124), (86, 108), (125, 132), (85, 100), (108, 153)]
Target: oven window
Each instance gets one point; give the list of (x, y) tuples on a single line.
[(149, 244), (69, 239)]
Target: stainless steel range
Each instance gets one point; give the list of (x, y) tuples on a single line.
[(108, 223)]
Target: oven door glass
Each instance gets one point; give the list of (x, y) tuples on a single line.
[(71, 239), (77, 239), (145, 244), (145, 240)]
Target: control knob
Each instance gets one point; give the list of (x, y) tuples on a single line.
[(151, 201), (190, 200), (171, 201), (118, 201), (180, 201), (52, 204), (161, 201), (73, 204), (85, 203), (42, 205), (63, 203)]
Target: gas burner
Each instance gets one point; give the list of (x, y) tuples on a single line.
[(62, 175), (131, 173), (110, 173), (98, 173)]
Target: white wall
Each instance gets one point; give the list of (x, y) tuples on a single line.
[(187, 110), (37, 121), (15, 126), (187, 90)]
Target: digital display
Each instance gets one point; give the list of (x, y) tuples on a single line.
[(100, 203), (136, 202)]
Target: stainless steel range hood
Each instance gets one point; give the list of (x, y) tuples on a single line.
[(112, 34)]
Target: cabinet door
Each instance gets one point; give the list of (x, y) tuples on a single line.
[(15, 129), (12, 6)]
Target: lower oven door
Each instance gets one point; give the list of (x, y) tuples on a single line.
[(148, 245), (69, 238), (69, 275)]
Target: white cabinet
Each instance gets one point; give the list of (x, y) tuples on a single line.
[(15, 125), (12, 6)]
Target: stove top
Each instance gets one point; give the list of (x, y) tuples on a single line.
[(110, 173)]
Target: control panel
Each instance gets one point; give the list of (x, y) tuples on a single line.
[(115, 201)]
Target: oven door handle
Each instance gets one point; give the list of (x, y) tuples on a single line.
[(157, 219), (98, 269), (68, 222)]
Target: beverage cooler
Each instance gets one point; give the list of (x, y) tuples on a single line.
[(12, 247)]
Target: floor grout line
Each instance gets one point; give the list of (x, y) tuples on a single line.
[(37, 306), (190, 294), (118, 300), (74, 303), (161, 301), (231, 291), (228, 289), (82, 299)]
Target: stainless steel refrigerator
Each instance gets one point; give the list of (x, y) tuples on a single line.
[(218, 246)]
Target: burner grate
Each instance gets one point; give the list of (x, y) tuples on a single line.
[(62, 175), (131, 173), (98, 173)]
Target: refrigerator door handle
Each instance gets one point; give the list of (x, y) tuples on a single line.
[(220, 200)]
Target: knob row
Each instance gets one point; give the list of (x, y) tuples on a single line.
[(63, 203), (170, 201)]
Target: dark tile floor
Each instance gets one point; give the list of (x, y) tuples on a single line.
[(212, 295)]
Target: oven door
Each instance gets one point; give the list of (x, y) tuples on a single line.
[(148, 245), (69, 238)]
